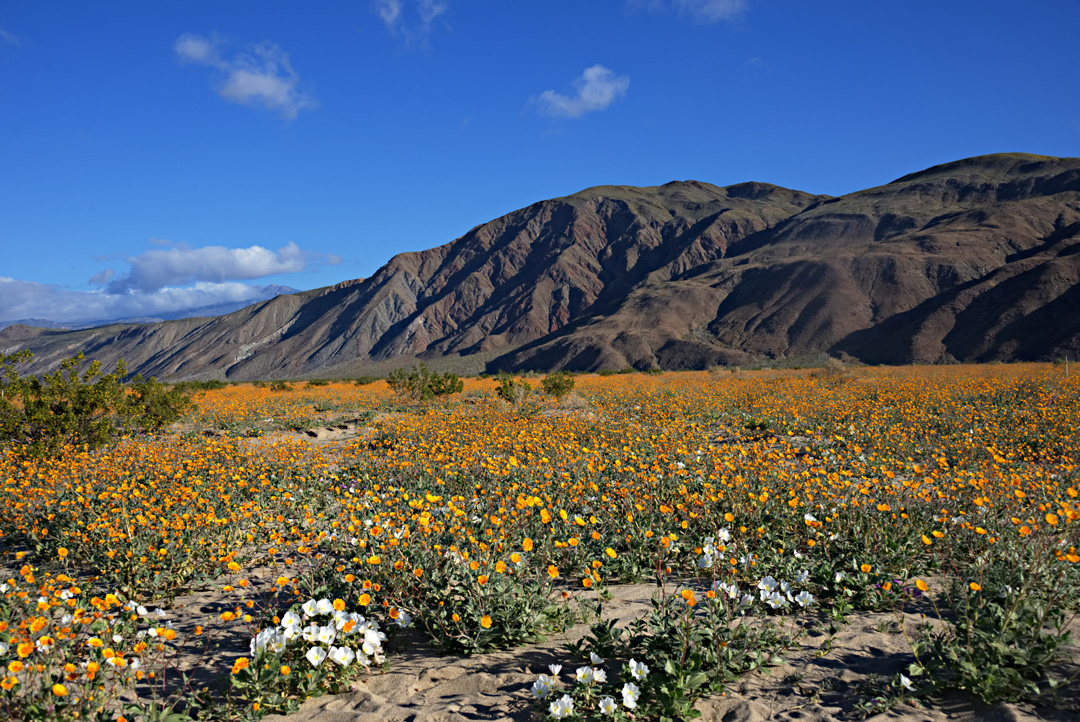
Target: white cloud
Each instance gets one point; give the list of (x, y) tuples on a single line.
[(27, 300), (261, 75), (711, 11), (180, 265), (394, 16), (9, 38), (389, 11), (167, 280), (703, 11), (597, 88)]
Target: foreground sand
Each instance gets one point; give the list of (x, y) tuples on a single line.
[(812, 686)]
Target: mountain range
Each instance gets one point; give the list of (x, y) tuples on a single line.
[(976, 260)]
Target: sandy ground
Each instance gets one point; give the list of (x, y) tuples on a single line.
[(814, 685)]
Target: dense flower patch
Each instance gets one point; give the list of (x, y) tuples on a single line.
[(756, 496)]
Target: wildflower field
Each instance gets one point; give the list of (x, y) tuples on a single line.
[(763, 505)]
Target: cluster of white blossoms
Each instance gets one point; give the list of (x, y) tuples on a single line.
[(563, 707), (777, 594), (343, 637), (712, 547)]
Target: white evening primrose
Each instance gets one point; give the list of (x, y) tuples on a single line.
[(595, 658), (607, 706), (342, 656), (316, 655), (310, 608), (325, 606), (804, 598), (638, 670), (562, 707), (630, 694)]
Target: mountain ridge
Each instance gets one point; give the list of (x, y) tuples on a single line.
[(977, 259)]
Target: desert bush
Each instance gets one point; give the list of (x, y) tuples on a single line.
[(421, 384), (41, 415), (281, 386), (557, 384), (511, 390)]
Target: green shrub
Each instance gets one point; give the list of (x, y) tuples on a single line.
[(40, 415), (317, 382), (557, 384), (365, 380), (421, 384), (516, 392), (151, 406), (280, 386)]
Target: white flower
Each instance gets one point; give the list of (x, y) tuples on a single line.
[(291, 619), (599, 675), (767, 585), (595, 658), (775, 601), (134, 663), (802, 577), (3, 648), (555, 669), (630, 694), (316, 655), (705, 562), (607, 706), (325, 606), (342, 655), (803, 598), (290, 633), (905, 682), (585, 675), (723, 535), (404, 619), (310, 608), (311, 632), (562, 707), (541, 688), (840, 576), (638, 670), (730, 590)]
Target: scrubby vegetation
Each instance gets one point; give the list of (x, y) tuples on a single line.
[(760, 503)]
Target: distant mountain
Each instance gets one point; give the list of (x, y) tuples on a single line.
[(976, 260), (262, 293)]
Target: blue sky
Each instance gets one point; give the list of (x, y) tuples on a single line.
[(157, 156)]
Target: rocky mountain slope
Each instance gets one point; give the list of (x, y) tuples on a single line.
[(975, 260)]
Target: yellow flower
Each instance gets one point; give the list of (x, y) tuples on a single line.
[(610, 552), (285, 670), (974, 586), (552, 571), (59, 690), (922, 586), (365, 599), (865, 568), (485, 622), (527, 545)]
